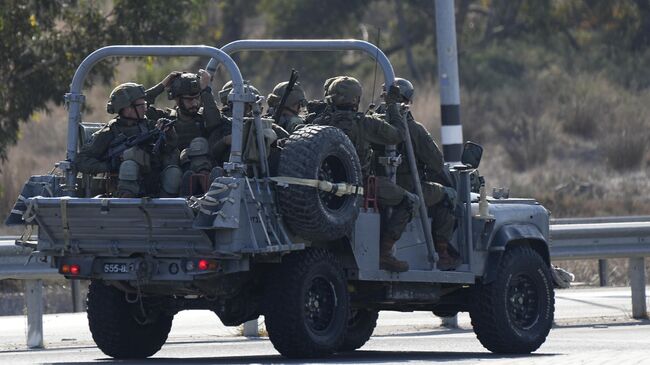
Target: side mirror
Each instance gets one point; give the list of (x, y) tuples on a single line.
[(472, 153)]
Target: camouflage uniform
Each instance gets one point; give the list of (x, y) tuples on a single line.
[(429, 161), (220, 139), (434, 180), (288, 120), (364, 130), (140, 172), (193, 129)]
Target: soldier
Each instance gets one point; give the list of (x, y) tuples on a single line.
[(317, 107), (226, 108), (196, 115), (344, 95), (140, 171), (290, 118), (220, 140), (439, 197)]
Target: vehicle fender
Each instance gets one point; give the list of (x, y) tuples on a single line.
[(510, 235)]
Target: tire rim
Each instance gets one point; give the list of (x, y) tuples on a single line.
[(320, 305), (333, 170), (523, 304)]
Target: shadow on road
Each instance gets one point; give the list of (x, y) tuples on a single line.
[(357, 357)]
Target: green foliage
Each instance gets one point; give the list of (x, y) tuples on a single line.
[(42, 43)]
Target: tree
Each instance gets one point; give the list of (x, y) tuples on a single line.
[(43, 41)]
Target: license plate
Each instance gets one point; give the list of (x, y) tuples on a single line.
[(116, 268)]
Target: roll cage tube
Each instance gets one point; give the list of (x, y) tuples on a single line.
[(389, 77), (75, 98)]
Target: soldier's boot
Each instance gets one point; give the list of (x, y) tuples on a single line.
[(387, 261), (446, 260)]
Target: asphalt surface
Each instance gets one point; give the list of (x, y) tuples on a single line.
[(592, 327)]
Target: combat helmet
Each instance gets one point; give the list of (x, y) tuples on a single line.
[(123, 96), (345, 91), (326, 85), (406, 89), (185, 84), (297, 95), (227, 87)]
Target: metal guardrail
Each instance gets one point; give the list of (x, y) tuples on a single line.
[(571, 239)]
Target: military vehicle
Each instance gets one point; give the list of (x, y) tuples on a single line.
[(289, 234)]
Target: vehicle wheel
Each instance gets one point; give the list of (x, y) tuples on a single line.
[(307, 305), (361, 324), (514, 313), (319, 153), (115, 329)]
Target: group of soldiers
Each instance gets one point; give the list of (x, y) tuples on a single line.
[(196, 136)]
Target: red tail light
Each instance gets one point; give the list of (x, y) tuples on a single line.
[(75, 269), (203, 264)]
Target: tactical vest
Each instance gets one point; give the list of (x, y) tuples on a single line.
[(349, 123), (188, 128)]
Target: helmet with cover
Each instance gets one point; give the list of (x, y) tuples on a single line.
[(123, 96), (345, 91)]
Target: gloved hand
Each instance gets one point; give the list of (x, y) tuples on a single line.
[(393, 95), (451, 196), (204, 79), (169, 78)]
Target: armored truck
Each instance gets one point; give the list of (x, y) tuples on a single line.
[(290, 234)]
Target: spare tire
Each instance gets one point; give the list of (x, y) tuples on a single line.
[(319, 153)]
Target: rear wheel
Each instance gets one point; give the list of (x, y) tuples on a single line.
[(361, 324), (308, 305), (115, 328), (514, 313)]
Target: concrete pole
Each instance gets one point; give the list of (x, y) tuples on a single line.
[(77, 300), (602, 272), (452, 129), (636, 270), (34, 301)]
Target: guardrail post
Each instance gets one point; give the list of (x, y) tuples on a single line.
[(251, 328), (636, 271), (602, 272), (77, 300), (34, 301)]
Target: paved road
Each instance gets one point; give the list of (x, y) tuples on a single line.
[(593, 326)]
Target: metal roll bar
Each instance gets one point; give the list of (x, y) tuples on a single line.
[(75, 98), (389, 77)]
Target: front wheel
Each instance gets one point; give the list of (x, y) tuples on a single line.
[(308, 305), (514, 313)]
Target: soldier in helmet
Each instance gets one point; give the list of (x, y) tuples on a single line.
[(227, 105), (220, 140), (196, 114), (290, 118), (317, 107), (140, 172), (439, 196), (343, 97)]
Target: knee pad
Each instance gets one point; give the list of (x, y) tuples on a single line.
[(198, 147), (138, 155), (170, 179), (129, 171)]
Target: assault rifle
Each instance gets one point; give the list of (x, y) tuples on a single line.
[(156, 134), (292, 82)]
